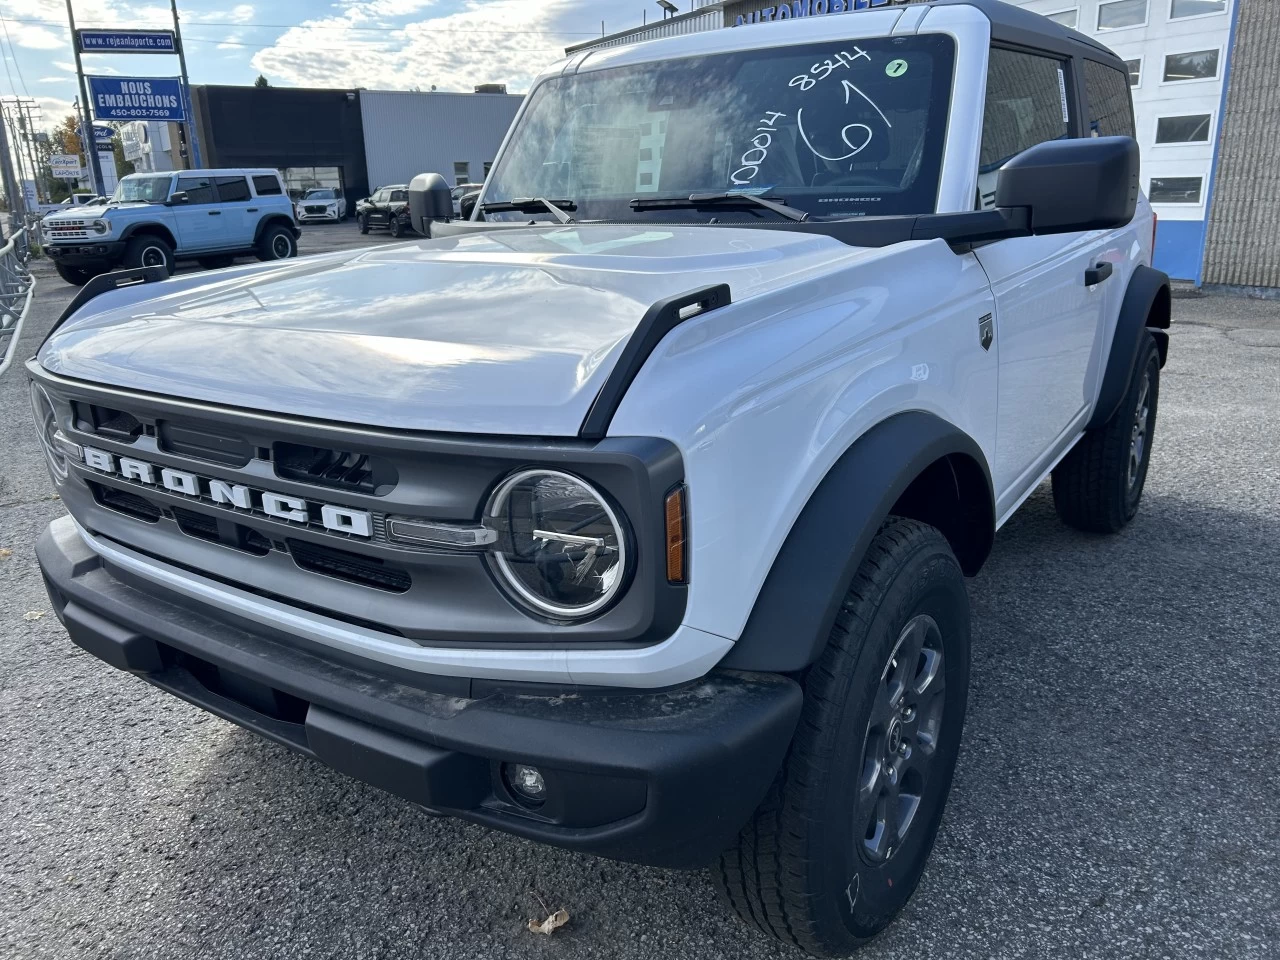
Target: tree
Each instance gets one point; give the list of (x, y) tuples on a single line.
[(66, 135), (261, 81)]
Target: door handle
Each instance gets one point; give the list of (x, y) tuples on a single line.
[(251, 209), (215, 213), (1097, 273)]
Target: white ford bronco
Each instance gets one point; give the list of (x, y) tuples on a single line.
[(633, 514)]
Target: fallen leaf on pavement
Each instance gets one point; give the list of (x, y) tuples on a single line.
[(5, 552), (551, 924), (33, 615)]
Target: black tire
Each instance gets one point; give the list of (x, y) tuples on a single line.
[(148, 250), (277, 243), (396, 227), (1098, 485), (76, 275), (216, 263), (363, 222), (805, 871)]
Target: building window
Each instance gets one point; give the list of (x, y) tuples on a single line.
[(1068, 18), (300, 180), (1110, 106), (1122, 13), (1200, 65), (1193, 129), (1135, 71), (1195, 8), (488, 165), (1175, 189), (461, 171)]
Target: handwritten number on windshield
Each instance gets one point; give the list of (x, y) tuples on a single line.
[(849, 88)]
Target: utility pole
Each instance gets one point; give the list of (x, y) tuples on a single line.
[(17, 202), (16, 135), (86, 125), (193, 144), (27, 129), (42, 184)]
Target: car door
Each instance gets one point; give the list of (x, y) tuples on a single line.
[(199, 220), (377, 215), (239, 212), (1047, 319)]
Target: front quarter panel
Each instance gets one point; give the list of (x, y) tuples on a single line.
[(763, 396)]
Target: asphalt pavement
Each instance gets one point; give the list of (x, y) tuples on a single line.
[(1118, 793)]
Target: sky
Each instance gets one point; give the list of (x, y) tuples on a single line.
[(379, 44)]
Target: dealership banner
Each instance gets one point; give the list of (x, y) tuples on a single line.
[(136, 98), (65, 166), (126, 41)]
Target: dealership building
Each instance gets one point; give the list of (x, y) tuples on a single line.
[(1206, 94), (351, 140)]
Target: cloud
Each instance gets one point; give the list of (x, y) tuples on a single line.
[(58, 79), (35, 37), (240, 13), (488, 41)]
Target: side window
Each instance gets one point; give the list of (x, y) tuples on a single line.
[(267, 186), (1026, 104), (379, 196), (232, 189), (198, 189), (1110, 106), (399, 196)]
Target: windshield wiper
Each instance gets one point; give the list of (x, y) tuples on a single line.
[(707, 199), (533, 205)]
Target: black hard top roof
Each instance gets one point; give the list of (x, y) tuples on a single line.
[(1010, 24)]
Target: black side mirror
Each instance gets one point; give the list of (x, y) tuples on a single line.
[(1070, 186), (429, 199), (467, 205), (178, 198)]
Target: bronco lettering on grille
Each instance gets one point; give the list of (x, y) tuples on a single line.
[(275, 505)]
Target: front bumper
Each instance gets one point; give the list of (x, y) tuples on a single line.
[(319, 217), (661, 778), (86, 253)]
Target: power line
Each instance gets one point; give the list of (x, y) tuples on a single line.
[(13, 55), (230, 25)]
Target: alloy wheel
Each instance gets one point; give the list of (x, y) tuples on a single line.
[(901, 741), (1138, 433)]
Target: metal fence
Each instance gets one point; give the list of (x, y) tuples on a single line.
[(17, 287)]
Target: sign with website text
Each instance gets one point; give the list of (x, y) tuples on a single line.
[(126, 41), (136, 98), (65, 166)]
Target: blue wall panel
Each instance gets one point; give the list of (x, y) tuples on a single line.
[(1179, 248)]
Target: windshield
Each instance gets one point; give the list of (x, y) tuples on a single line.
[(321, 195), (837, 129), (148, 189)]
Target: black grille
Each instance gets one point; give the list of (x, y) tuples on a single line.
[(226, 532), (201, 442), (367, 571), (106, 422), (122, 501), (314, 209), (337, 469)]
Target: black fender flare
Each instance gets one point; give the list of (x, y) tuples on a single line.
[(271, 219), (159, 229), (1147, 307), (797, 605)]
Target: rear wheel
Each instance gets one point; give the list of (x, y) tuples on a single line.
[(1098, 485), (839, 845), (149, 250), (396, 227), (277, 243)]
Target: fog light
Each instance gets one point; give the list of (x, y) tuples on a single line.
[(525, 782)]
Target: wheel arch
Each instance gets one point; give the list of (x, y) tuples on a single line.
[(912, 464), (155, 229), (1147, 308), (273, 220)]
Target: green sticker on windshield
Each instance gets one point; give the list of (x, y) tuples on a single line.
[(896, 68)]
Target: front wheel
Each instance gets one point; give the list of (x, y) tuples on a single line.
[(1098, 485), (277, 243), (76, 275), (149, 251), (362, 222), (838, 846)]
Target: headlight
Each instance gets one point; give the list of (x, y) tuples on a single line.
[(563, 549), (101, 226), (50, 435)]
